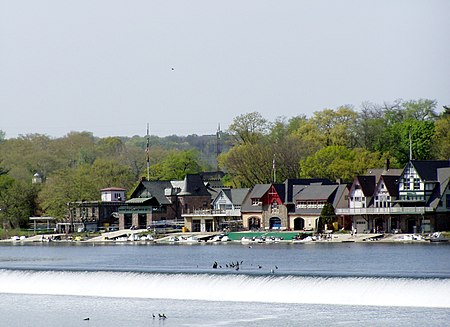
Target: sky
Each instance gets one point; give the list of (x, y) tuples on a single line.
[(112, 66)]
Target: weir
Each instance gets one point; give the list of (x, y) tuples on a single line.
[(370, 291)]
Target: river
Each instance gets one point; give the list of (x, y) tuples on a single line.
[(348, 284)]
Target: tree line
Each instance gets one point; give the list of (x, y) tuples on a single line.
[(333, 143)]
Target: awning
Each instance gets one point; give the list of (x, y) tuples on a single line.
[(137, 200)]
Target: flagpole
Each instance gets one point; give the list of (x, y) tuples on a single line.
[(274, 170), (147, 150)]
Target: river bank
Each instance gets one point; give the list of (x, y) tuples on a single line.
[(143, 236)]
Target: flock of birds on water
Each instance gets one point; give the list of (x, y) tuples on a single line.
[(236, 266), (161, 316)]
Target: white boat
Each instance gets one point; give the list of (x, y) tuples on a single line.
[(189, 239), (438, 237), (246, 240), (307, 239), (215, 238)]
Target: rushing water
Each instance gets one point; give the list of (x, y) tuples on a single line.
[(276, 285)]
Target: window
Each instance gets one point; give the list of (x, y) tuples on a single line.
[(416, 183), (256, 202), (406, 184)]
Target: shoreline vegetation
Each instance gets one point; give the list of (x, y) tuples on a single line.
[(246, 238)]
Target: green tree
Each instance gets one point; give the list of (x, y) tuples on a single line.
[(327, 217), (17, 202), (82, 183), (176, 165), (248, 128), (335, 126), (339, 162), (441, 138), (250, 164)]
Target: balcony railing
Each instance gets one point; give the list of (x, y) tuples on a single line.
[(213, 212), (375, 211)]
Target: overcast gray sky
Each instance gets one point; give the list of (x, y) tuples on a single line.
[(105, 66)]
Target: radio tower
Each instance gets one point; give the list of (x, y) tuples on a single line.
[(218, 146)]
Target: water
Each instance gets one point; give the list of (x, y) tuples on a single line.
[(302, 284)]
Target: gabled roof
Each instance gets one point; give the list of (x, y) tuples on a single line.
[(213, 179), (316, 192), (236, 195), (391, 183), (152, 189), (280, 188), (427, 169), (291, 183), (367, 184), (259, 190), (444, 181), (340, 192), (443, 178), (378, 172), (194, 186)]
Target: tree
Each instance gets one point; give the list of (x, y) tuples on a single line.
[(421, 110), (370, 125), (441, 138), (339, 162), (176, 165), (327, 217), (82, 183), (335, 126), (248, 128), (17, 202), (421, 133)]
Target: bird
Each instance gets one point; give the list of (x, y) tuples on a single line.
[(153, 315), (259, 266), (162, 316), (86, 318)]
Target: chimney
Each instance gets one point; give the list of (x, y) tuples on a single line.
[(387, 164)]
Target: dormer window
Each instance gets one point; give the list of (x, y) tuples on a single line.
[(256, 202)]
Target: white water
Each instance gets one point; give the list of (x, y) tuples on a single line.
[(210, 287)]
